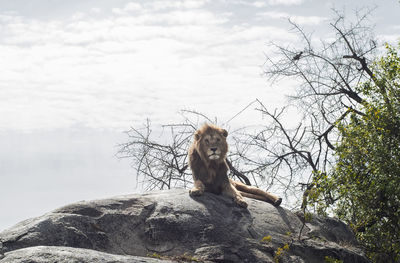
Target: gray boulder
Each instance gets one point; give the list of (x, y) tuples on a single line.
[(46, 254), (170, 225)]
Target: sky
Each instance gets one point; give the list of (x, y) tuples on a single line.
[(76, 74)]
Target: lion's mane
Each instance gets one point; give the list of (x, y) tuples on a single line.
[(211, 172)]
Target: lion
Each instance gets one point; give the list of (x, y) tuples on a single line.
[(207, 160)]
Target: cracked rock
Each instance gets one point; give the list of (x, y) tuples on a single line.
[(171, 225)]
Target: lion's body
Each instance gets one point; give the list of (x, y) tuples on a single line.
[(213, 176), (207, 159)]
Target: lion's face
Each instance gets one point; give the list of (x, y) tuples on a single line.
[(211, 143)]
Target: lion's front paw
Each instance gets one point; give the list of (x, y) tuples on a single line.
[(196, 191), (240, 202)]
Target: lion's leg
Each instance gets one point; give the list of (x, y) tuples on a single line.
[(231, 191), (253, 196), (198, 188), (257, 193)]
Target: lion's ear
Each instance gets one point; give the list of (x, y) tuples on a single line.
[(224, 132), (197, 135)]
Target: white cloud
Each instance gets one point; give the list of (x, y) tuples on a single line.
[(130, 7), (117, 70), (95, 10), (301, 20), (177, 4), (150, 6), (285, 2), (274, 14), (267, 3), (392, 39), (308, 20), (133, 6)]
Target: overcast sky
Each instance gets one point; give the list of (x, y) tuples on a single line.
[(75, 74)]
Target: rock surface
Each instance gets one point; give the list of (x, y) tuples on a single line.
[(46, 254), (175, 227)]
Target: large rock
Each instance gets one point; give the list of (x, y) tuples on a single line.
[(46, 254), (171, 225)]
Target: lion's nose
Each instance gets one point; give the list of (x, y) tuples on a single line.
[(213, 149)]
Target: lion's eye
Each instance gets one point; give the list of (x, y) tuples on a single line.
[(207, 141), (218, 139)]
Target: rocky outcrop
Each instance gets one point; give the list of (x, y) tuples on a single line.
[(47, 254), (171, 226)]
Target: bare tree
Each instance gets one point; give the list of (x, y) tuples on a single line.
[(159, 165), (330, 73), (161, 162), (286, 158)]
